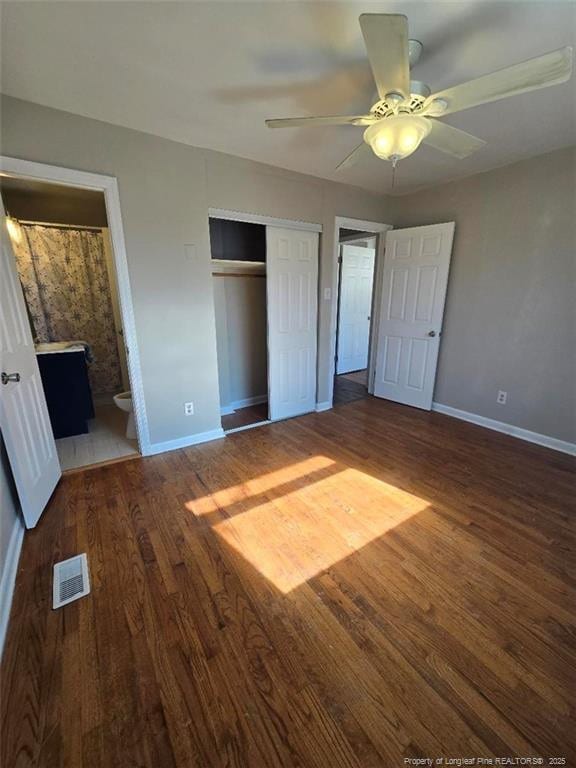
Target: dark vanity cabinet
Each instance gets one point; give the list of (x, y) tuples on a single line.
[(67, 389)]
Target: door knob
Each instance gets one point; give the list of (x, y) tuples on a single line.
[(6, 377), (432, 333)]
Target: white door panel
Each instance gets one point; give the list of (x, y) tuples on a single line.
[(414, 286), (292, 280), (356, 279), (24, 416)]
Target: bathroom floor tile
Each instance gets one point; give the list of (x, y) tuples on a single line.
[(106, 440)]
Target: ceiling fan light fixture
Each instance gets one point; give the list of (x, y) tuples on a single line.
[(394, 138)]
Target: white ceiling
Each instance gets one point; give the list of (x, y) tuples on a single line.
[(209, 73)]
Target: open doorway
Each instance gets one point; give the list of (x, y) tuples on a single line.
[(238, 252), (356, 265), (66, 266), (351, 375)]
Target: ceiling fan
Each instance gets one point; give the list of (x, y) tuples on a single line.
[(405, 115)]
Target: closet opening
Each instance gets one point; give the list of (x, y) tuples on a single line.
[(66, 266), (238, 251)]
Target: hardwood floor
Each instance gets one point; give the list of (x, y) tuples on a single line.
[(243, 417), (361, 377), (349, 387), (351, 588)]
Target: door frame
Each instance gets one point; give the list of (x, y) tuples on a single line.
[(377, 228), (11, 166)]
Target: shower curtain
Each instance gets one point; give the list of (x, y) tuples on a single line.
[(65, 281)]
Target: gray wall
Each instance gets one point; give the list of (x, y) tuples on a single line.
[(241, 322), (166, 189), (511, 306)]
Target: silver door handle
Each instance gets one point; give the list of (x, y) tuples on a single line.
[(6, 377), (432, 333)]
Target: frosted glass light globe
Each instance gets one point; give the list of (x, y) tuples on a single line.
[(394, 138)]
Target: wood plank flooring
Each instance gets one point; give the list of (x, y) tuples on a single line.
[(349, 387), (352, 588), (361, 377), (243, 417)]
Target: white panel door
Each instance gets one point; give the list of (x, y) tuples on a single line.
[(415, 278), (292, 288), (356, 278), (23, 413)]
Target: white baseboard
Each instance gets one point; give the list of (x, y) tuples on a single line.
[(184, 442), (8, 577), (507, 429), (248, 426), (324, 406)]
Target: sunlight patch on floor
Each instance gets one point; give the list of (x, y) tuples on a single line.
[(236, 496), (294, 523)]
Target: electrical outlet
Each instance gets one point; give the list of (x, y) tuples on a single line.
[(502, 397), (189, 409)]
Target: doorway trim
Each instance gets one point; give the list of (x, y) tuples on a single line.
[(376, 228), (53, 174)]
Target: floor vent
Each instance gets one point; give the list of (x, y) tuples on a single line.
[(71, 581)]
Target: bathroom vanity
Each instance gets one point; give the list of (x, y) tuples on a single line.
[(64, 372)]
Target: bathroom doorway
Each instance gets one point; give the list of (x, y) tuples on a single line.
[(61, 240)]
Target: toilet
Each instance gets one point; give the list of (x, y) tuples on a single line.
[(124, 401)]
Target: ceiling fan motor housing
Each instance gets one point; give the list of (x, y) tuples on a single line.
[(395, 103)]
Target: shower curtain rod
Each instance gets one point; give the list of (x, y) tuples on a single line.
[(59, 226)]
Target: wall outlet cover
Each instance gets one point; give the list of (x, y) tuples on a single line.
[(189, 409), (502, 397)]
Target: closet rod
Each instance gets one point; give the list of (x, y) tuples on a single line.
[(59, 226)]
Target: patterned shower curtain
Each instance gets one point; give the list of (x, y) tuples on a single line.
[(65, 281)]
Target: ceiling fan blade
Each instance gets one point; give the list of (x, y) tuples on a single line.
[(361, 151), (550, 69), (297, 122), (386, 38), (452, 140)]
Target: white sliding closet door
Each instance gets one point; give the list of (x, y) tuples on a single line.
[(292, 285)]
